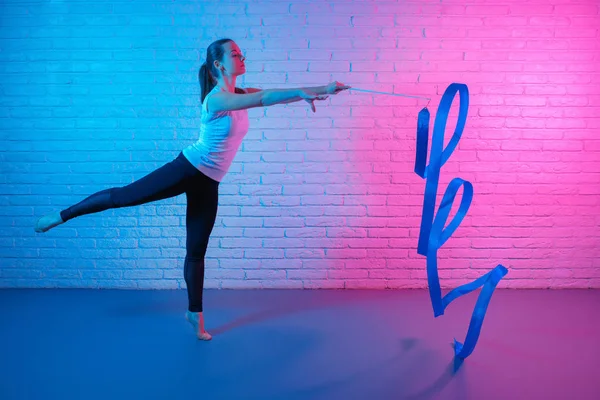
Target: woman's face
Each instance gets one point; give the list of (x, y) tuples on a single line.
[(233, 60)]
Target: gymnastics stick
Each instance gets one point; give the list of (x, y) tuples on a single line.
[(391, 94)]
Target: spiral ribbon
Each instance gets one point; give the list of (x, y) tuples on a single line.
[(432, 234)]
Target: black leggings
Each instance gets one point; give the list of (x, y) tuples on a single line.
[(172, 179)]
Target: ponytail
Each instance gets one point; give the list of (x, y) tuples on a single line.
[(208, 72), (206, 80)]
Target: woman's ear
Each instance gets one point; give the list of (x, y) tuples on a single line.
[(219, 66)]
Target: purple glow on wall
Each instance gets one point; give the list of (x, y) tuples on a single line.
[(97, 95)]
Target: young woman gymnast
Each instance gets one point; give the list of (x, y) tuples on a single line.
[(199, 167)]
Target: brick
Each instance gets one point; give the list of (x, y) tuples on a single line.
[(325, 200)]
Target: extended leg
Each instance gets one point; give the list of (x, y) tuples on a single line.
[(166, 181)]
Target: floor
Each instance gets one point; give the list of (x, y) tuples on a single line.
[(293, 344)]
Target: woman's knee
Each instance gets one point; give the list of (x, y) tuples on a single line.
[(196, 246), (116, 197), (196, 253)]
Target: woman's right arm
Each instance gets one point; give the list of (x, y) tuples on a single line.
[(225, 101), (281, 96)]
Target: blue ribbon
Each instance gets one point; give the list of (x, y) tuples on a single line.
[(432, 234)]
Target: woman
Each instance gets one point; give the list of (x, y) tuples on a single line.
[(200, 167)]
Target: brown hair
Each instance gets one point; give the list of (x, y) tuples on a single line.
[(208, 72)]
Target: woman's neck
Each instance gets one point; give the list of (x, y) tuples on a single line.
[(228, 86)]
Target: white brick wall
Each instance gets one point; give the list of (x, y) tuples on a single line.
[(97, 94)]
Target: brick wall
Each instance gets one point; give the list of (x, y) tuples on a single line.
[(98, 94)]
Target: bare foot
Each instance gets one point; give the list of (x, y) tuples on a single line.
[(197, 321), (48, 222)]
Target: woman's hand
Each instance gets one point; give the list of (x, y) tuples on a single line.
[(309, 96), (335, 87)]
